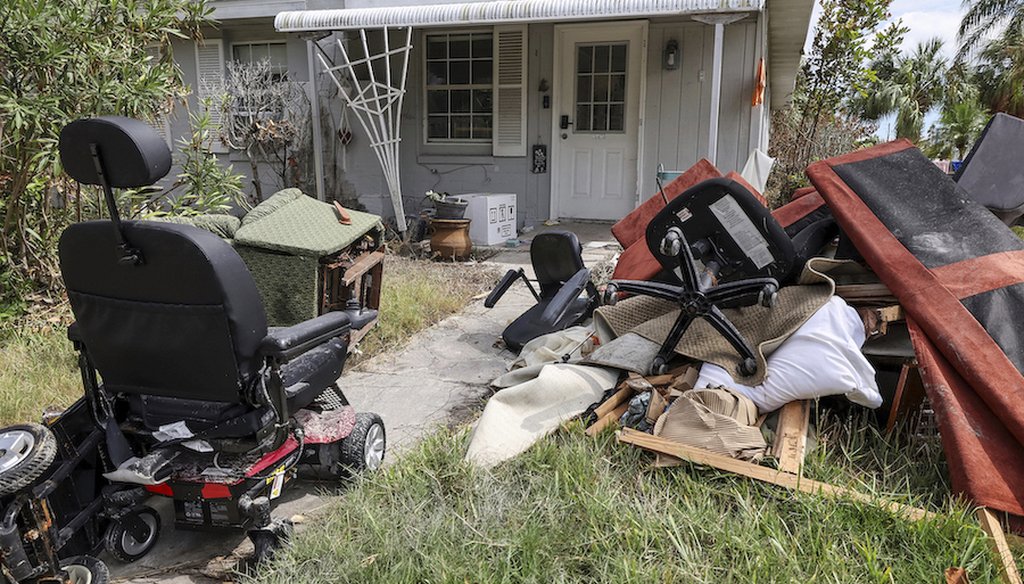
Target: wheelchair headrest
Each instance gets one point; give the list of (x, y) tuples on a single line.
[(133, 154), (556, 257)]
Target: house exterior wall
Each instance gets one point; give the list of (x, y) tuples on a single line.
[(675, 131), (185, 55), (678, 108)]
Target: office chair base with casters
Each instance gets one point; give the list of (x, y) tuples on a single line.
[(725, 250)]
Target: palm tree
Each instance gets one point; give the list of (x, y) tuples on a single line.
[(984, 16), (910, 87), (1000, 74), (959, 126)]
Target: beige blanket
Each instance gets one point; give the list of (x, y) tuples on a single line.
[(520, 415)]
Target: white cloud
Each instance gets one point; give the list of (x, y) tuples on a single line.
[(925, 25)]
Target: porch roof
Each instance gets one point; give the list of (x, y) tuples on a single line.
[(501, 12)]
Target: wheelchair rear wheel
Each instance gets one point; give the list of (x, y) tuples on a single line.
[(363, 449), (26, 451)]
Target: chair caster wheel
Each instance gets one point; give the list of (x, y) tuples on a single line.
[(659, 367), (611, 295), (748, 367), (672, 243), (768, 296)]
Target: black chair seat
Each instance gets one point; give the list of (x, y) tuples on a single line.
[(557, 259), (529, 325)]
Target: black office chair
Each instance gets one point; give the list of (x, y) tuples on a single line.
[(725, 250), (558, 262)]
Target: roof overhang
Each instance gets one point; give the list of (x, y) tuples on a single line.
[(789, 22), (503, 12)]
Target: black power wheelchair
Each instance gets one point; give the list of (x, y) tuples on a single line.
[(188, 394)]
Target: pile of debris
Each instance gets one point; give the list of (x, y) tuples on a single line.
[(887, 284)]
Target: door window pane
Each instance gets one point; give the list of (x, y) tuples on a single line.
[(601, 87)]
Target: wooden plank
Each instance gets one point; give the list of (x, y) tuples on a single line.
[(1007, 566), (865, 293), (361, 266), (614, 401), (908, 395), (761, 473), (373, 301), (791, 436), (660, 379), (607, 420)]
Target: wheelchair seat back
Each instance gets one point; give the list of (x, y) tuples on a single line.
[(176, 312)]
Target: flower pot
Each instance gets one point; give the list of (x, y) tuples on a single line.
[(451, 208), (449, 238)]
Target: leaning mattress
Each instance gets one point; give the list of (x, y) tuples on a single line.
[(959, 274)]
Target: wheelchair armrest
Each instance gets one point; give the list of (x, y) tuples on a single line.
[(282, 345), (361, 317), (564, 298), (502, 286)]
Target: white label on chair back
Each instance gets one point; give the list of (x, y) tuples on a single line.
[(742, 231)]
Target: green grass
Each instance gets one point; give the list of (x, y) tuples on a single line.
[(575, 509), (417, 294), (38, 367)]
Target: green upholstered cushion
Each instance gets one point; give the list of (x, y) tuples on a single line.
[(287, 284), (221, 225), (291, 222)]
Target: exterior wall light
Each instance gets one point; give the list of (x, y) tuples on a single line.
[(671, 57)]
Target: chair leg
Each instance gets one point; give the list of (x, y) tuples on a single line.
[(744, 293), (748, 366), (668, 348)]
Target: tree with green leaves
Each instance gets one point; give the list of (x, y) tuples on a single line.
[(818, 123), (984, 16), (848, 35), (959, 126), (61, 60), (999, 74), (908, 86)]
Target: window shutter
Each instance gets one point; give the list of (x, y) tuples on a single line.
[(210, 75), (510, 90)]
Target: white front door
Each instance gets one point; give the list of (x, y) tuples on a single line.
[(599, 69)]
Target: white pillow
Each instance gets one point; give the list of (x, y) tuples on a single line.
[(822, 357)]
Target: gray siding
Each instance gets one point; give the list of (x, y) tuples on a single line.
[(678, 109), (459, 170)]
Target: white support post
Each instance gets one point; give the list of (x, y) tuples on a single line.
[(719, 21), (318, 138)]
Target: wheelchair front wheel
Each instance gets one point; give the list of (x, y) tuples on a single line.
[(85, 570), (124, 539)]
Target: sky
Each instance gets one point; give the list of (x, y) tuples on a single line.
[(926, 19)]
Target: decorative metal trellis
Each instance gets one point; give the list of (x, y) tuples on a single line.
[(377, 104)]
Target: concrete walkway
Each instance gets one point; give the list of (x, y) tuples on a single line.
[(441, 377)]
